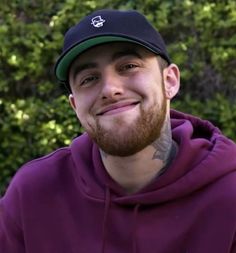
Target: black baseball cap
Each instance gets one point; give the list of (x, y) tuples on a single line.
[(105, 26)]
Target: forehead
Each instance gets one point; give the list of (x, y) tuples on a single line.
[(100, 52)]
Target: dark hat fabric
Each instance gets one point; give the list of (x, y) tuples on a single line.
[(105, 26)]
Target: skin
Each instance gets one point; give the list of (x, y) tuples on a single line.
[(122, 99)]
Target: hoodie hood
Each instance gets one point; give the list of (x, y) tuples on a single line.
[(197, 164)]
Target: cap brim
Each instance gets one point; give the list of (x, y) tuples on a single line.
[(64, 62)]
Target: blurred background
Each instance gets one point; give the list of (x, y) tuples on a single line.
[(35, 117)]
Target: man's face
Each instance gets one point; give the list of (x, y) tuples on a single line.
[(118, 96)]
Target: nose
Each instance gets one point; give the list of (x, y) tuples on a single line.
[(112, 86)]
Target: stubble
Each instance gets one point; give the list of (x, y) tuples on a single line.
[(126, 140)]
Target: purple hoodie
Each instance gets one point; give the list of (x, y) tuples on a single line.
[(66, 202)]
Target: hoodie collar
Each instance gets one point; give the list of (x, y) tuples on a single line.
[(197, 164)]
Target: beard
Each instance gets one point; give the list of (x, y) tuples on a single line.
[(130, 139)]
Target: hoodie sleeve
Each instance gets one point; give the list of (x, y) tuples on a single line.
[(11, 237)]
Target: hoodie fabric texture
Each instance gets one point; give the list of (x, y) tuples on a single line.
[(66, 202)]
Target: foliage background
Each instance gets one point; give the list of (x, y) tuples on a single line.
[(35, 117)]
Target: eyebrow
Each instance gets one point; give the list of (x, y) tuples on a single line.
[(90, 65), (126, 52), (80, 68)]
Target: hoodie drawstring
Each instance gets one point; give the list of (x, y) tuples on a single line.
[(106, 211), (136, 209), (105, 220)]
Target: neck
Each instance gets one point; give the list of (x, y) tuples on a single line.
[(136, 171)]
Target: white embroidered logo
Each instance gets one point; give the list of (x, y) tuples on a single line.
[(97, 21)]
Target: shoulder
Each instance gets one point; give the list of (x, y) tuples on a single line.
[(226, 185), (42, 171), (222, 192), (53, 165), (53, 169), (38, 182)]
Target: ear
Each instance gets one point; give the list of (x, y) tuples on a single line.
[(72, 102), (171, 77)]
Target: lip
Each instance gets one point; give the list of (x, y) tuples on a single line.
[(117, 108)]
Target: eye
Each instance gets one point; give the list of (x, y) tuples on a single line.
[(88, 80), (128, 66)]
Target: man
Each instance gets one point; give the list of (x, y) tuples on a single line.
[(142, 178)]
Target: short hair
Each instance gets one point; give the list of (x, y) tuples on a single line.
[(162, 63)]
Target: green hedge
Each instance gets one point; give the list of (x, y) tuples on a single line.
[(31, 128)]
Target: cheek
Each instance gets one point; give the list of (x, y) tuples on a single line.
[(84, 102), (83, 112), (148, 88), (89, 96), (84, 118), (139, 85)]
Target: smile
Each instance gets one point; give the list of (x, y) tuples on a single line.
[(117, 108)]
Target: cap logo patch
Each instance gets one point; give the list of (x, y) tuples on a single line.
[(97, 21)]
